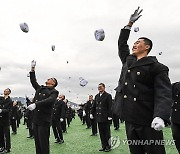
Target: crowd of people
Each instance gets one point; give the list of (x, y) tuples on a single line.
[(145, 99)]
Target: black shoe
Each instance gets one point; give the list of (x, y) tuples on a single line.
[(107, 149), (102, 149), (57, 141), (1, 149), (93, 134), (14, 133), (6, 151), (61, 141)]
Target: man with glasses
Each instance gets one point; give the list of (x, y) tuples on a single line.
[(102, 110), (42, 105)]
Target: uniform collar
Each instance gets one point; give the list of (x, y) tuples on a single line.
[(143, 61)]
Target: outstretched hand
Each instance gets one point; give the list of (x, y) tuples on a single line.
[(136, 15)]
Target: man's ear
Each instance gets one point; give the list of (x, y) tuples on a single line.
[(147, 47)]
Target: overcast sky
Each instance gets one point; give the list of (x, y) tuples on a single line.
[(70, 26)]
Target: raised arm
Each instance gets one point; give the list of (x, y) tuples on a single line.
[(123, 48), (33, 76)]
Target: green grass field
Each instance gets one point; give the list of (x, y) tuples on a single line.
[(77, 141)]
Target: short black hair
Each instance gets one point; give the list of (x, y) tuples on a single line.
[(63, 97), (102, 84), (55, 82), (9, 90), (147, 42)]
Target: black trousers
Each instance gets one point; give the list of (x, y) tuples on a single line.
[(105, 133), (88, 121), (30, 127), (84, 119), (142, 136), (13, 125), (18, 121), (176, 135), (41, 136), (63, 125), (69, 119), (94, 126), (57, 130), (115, 121), (5, 141)]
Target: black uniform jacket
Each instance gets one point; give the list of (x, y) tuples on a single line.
[(175, 112), (5, 105), (144, 88), (68, 112), (44, 99), (58, 110), (88, 107), (102, 107)]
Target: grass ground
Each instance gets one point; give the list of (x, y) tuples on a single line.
[(77, 141)]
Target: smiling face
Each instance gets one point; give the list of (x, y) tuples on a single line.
[(101, 88), (50, 82), (140, 48)]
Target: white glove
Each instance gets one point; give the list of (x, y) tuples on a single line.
[(0, 110), (31, 107), (157, 123), (84, 114), (91, 116), (109, 118), (136, 15), (33, 63), (61, 119)]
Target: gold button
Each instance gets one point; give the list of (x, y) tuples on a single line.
[(175, 102), (129, 71), (39, 93), (134, 86), (176, 95), (138, 73), (125, 96), (134, 99), (175, 109), (44, 94), (38, 110), (126, 83)]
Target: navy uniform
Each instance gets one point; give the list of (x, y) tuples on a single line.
[(102, 110), (68, 115), (115, 118), (87, 109), (13, 118), (58, 113), (44, 99), (93, 121), (143, 93), (28, 115), (63, 124), (175, 114), (5, 105)]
